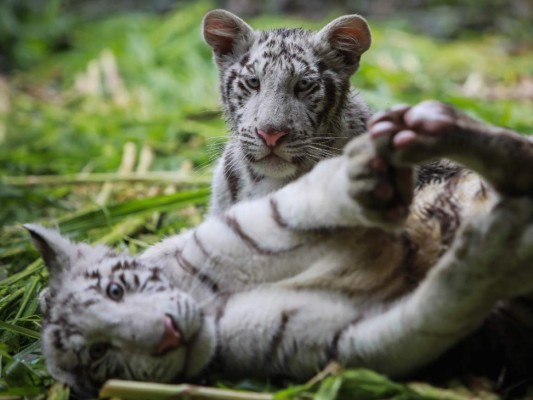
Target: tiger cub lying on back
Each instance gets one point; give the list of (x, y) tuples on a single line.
[(348, 263)]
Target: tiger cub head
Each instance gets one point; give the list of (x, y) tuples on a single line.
[(285, 92), (107, 315)]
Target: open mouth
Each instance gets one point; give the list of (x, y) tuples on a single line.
[(171, 339)]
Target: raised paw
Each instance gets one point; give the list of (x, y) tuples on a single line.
[(410, 135), (431, 130), (383, 192), (495, 251)]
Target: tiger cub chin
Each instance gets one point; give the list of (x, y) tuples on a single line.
[(287, 99), (352, 262)]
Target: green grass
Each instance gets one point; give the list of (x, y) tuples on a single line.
[(112, 141)]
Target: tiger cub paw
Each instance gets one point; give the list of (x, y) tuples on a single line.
[(383, 192), (496, 251), (410, 135)]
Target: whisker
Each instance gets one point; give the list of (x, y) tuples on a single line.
[(327, 137), (325, 146), (323, 152)]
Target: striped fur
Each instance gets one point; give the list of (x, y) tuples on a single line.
[(289, 80), (282, 284)]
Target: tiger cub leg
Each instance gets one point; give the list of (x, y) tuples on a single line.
[(357, 189), (433, 130), (490, 260)]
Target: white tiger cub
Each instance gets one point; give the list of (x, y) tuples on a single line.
[(287, 99), (334, 266)]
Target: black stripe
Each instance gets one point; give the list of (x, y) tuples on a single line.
[(89, 303), (245, 59), (298, 58), (446, 211), (203, 250), (253, 175), (57, 340), (278, 336), (333, 350), (227, 87), (330, 92), (122, 279), (322, 66), (93, 275), (311, 120), (234, 225), (155, 274), (136, 280), (276, 216), (243, 88), (194, 271), (313, 90), (232, 179), (124, 265), (343, 97), (436, 171)]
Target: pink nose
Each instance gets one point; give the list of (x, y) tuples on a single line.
[(171, 338), (271, 136)]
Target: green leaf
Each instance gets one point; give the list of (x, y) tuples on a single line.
[(329, 388), (20, 330)]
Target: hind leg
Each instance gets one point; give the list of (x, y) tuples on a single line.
[(454, 298), (432, 130), (495, 251)]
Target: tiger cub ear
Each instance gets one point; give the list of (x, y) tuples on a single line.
[(227, 34), (58, 253), (349, 36)]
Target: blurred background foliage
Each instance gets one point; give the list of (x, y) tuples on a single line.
[(110, 123)]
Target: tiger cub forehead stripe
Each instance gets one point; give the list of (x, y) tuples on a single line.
[(124, 264)]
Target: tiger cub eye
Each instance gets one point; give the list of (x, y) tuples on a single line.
[(253, 82), (98, 350), (115, 291)]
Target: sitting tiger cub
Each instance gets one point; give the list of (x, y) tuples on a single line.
[(286, 96), (352, 262)]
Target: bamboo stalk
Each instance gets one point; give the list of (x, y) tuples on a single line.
[(98, 178), (122, 229), (129, 390), (127, 164)]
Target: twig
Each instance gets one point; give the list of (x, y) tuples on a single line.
[(98, 178), (333, 368), (128, 390)]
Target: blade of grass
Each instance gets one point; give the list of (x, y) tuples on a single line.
[(34, 267), (4, 302), (102, 217), (20, 330), (164, 177), (29, 296)]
